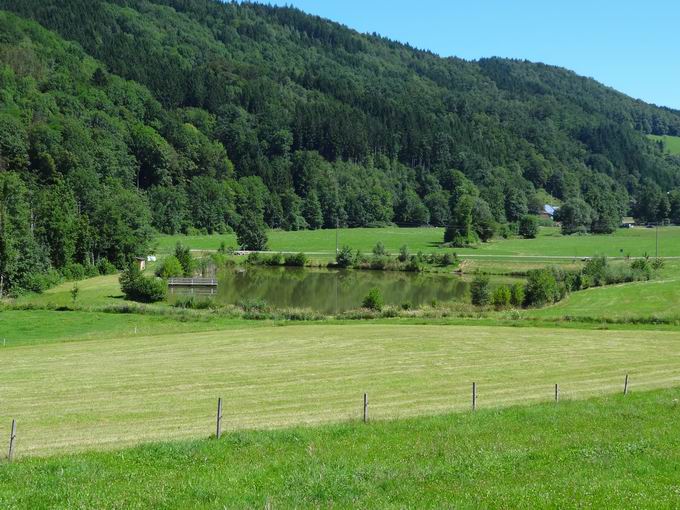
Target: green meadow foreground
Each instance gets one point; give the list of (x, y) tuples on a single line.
[(608, 452), (108, 393), (117, 410)]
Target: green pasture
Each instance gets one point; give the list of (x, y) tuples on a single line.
[(113, 392), (30, 327), (607, 452), (671, 143), (634, 242), (656, 298)]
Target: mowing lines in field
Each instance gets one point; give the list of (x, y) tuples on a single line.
[(111, 393)]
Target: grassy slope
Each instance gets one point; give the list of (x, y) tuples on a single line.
[(634, 242), (671, 143), (31, 327), (659, 298), (614, 452), (98, 291), (104, 394), (633, 300)]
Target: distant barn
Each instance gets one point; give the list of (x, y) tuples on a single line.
[(548, 212), (627, 222)]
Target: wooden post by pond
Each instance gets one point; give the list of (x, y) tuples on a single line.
[(12, 438), (474, 396), (218, 432), (557, 392), (365, 407), (625, 385)]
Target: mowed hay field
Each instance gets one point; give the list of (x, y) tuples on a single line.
[(104, 394)]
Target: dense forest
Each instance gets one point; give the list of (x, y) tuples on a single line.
[(122, 118)]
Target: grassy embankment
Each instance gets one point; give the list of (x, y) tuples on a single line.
[(612, 452), (102, 394)]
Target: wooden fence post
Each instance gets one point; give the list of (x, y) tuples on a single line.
[(218, 432), (474, 396), (625, 385), (557, 392), (12, 438), (365, 407)]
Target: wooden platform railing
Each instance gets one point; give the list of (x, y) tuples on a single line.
[(192, 282)]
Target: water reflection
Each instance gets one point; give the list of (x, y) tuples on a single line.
[(331, 291)]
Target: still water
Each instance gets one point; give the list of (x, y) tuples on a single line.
[(331, 291)]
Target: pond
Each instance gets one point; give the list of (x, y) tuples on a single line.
[(332, 291)]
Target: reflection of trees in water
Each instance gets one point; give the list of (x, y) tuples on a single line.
[(331, 290)]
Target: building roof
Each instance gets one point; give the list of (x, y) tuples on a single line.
[(550, 209)]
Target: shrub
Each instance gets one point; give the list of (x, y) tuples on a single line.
[(414, 265), (105, 267), (74, 271), (344, 257), (137, 287), (517, 295), (379, 262), (379, 250), (447, 259), (541, 288), (596, 269), (528, 226), (275, 259), (501, 297), (480, 291), (91, 271), (373, 300), (297, 260), (170, 268), (75, 290), (183, 255), (658, 263), (254, 259), (403, 254)]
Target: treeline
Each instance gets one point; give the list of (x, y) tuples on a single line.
[(193, 115)]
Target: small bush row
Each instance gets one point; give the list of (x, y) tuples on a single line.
[(382, 260), (550, 285), (277, 259)]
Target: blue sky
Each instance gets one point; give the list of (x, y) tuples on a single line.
[(633, 46)]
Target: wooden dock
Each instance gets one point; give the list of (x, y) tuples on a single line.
[(192, 282), (200, 286)]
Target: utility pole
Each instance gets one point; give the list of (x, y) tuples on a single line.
[(336, 237), (657, 240)]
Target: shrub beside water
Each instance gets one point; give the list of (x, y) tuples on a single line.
[(541, 288), (480, 290), (138, 287), (345, 257), (502, 297), (373, 300), (517, 295), (297, 260), (170, 268)]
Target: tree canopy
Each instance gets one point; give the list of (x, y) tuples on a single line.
[(119, 118)]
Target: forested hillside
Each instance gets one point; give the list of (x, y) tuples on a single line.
[(121, 117)]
